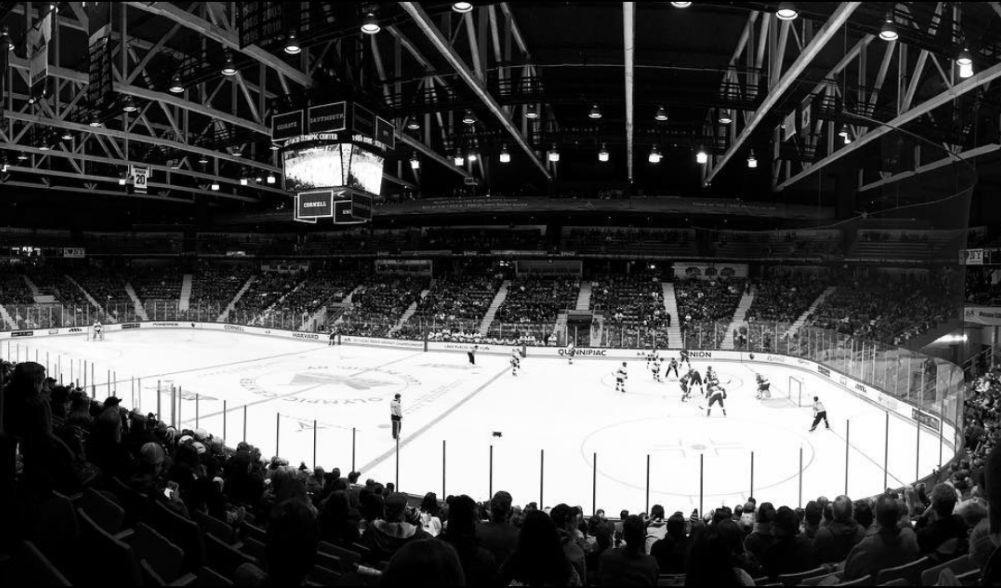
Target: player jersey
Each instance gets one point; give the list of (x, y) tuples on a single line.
[(818, 407), (620, 374), (656, 364), (674, 362)]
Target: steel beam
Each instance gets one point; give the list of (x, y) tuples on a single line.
[(966, 155), (436, 38), (629, 46), (826, 33), (978, 80)]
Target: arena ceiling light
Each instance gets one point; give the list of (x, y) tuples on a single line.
[(215, 186), (176, 86), (472, 155), (292, 46), (462, 7), (844, 130), (272, 179), (67, 136), (275, 147), (603, 153), (3, 165), (244, 181), (21, 156), (43, 147), (5, 40), (468, 117), (415, 163), (889, 30), (370, 26), (681, 4), (229, 68), (724, 116), (661, 114), (655, 155), (203, 160), (554, 154), (701, 157), (413, 125), (505, 155), (122, 178), (458, 159), (787, 11), (595, 112), (129, 105), (95, 121), (965, 63), (752, 162), (531, 111)]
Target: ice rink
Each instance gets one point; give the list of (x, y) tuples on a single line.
[(554, 420)]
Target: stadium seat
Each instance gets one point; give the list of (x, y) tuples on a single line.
[(182, 532), (136, 504), (911, 572), (897, 582), (156, 553), (863, 581), (223, 557), (796, 579), (250, 530), (821, 580), (970, 578), (210, 524), (671, 580), (30, 567), (110, 561), (324, 577), (254, 548), (960, 565), (204, 577), (102, 510), (55, 532), (347, 556)]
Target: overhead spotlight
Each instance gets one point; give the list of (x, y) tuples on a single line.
[(244, 181), (462, 7), (655, 155), (554, 154), (229, 68), (458, 159), (724, 116), (681, 4), (965, 63), (260, 180), (5, 40), (505, 155), (43, 147), (415, 163), (701, 156), (292, 46), (843, 133), (129, 105), (95, 121), (531, 111), (274, 147), (272, 179), (67, 136), (752, 162), (370, 25), (848, 139), (787, 11), (413, 124), (472, 155), (3, 165), (203, 160), (595, 112), (176, 86), (122, 178), (215, 186), (603, 153), (468, 117), (661, 114), (22, 156), (889, 30)]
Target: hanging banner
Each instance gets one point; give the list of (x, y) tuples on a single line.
[(38, 70), (140, 177), (100, 75)]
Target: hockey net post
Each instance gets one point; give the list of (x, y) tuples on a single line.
[(92, 335), (794, 390)]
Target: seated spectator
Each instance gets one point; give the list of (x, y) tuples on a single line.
[(791, 552), (760, 539), (478, 565), (386, 535), (429, 514), (566, 523), (939, 524), (889, 547), (424, 563), (629, 565), (671, 550), (539, 558), (498, 535), (293, 535), (835, 540), (656, 528), (710, 561), (338, 521)]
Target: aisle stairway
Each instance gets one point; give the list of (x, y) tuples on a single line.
[(492, 311), (224, 317), (7, 319), (671, 306), (90, 298), (140, 311), (185, 301), (32, 286), (408, 313), (584, 297), (796, 326), (739, 318)]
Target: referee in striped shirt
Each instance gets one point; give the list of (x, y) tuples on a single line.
[(396, 414)]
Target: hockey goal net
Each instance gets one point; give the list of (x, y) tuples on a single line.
[(94, 335), (794, 391)]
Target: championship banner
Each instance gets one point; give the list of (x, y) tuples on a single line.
[(100, 75), (287, 125), (140, 177), (38, 70), (971, 257)]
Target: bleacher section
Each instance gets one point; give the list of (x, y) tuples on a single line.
[(706, 308), (635, 242), (531, 307)]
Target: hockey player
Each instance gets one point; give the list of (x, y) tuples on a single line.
[(570, 353), (716, 393), (98, 329), (673, 366), (764, 387), (711, 377), (651, 357), (656, 369), (620, 379), (685, 390), (819, 414), (472, 354), (696, 379), (685, 359), (515, 361)]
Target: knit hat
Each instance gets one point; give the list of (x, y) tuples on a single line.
[(152, 454), (199, 447)]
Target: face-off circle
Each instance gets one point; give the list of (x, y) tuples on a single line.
[(327, 385)]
